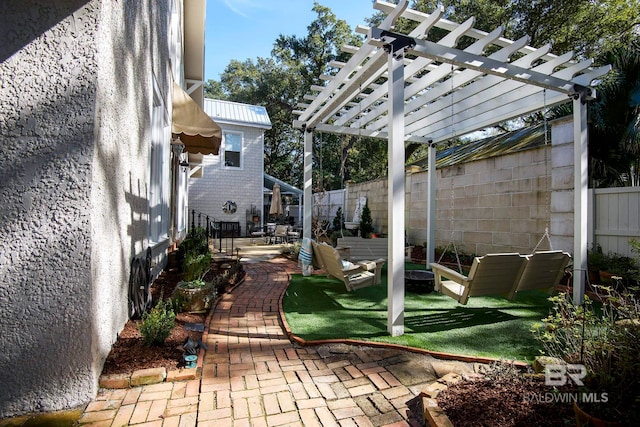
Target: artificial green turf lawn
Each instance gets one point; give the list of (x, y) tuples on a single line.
[(321, 308)]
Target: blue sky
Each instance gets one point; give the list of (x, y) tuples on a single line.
[(241, 29)]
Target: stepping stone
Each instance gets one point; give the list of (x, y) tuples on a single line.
[(197, 327), (413, 371)]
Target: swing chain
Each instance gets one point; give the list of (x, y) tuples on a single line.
[(547, 212)]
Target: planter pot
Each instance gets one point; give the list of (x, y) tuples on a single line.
[(584, 419), (605, 276), (594, 277), (195, 298)]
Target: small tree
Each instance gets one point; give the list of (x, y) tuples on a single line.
[(338, 221), (366, 223)]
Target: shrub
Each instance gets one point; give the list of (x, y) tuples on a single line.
[(196, 243), (606, 341), (196, 265), (178, 302), (157, 324), (338, 221), (366, 222)]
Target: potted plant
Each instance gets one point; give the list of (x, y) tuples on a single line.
[(196, 294), (604, 267), (604, 337)]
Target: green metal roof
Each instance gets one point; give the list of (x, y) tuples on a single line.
[(509, 142)]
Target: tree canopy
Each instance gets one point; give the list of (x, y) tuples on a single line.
[(280, 82)]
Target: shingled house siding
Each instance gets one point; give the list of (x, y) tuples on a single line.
[(243, 185)]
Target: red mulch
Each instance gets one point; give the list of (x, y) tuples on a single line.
[(504, 402), (129, 354)]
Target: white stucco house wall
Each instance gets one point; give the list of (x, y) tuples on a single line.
[(89, 179), (236, 174)]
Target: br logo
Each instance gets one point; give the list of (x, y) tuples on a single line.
[(558, 375)]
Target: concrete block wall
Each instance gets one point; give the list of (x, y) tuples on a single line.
[(243, 186), (376, 194), (500, 204)]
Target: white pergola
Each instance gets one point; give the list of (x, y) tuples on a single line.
[(406, 89)]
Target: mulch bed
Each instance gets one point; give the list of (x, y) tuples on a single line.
[(129, 354), (510, 402)]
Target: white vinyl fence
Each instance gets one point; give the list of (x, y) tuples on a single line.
[(614, 218), (326, 204)]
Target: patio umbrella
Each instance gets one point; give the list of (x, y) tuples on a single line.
[(276, 202)]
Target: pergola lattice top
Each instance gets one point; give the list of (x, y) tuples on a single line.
[(448, 92)]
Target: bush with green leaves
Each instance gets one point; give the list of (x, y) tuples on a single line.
[(606, 340), (196, 265), (179, 302), (196, 243), (156, 324)]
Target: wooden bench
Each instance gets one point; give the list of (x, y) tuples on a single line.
[(365, 249)]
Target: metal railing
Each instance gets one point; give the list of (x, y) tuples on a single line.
[(221, 231)]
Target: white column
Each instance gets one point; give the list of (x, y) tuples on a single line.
[(395, 268), (580, 189), (308, 182), (431, 206)]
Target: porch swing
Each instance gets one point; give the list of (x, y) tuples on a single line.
[(503, 274)]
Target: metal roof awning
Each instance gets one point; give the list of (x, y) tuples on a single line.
[(197, 131), (285, 188)]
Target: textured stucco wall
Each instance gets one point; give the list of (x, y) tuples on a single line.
[(500, 204), (209, 193), (74, 129), (47, 125), (132, 42)]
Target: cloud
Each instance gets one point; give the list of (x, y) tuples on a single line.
[(242, 7)]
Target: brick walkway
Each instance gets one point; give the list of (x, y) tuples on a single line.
[(253, 375)]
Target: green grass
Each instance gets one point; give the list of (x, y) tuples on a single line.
[(320, 308)]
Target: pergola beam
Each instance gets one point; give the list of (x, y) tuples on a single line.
[(439, 92), (472, 61)]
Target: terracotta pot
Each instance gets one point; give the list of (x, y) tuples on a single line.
[(594, 277), (584, 419), (605, 276)]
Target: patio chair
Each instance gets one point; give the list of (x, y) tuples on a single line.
[(492, 274), (281, 232), (543, 271), (354, 276)]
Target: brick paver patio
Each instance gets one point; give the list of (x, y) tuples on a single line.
[(252, 375)]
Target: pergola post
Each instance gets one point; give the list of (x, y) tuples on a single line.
[(396, 195), (431, 206), (308, 182), (581, 162)]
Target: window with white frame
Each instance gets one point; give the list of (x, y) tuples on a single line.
[(160, 169), (232, 150)]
